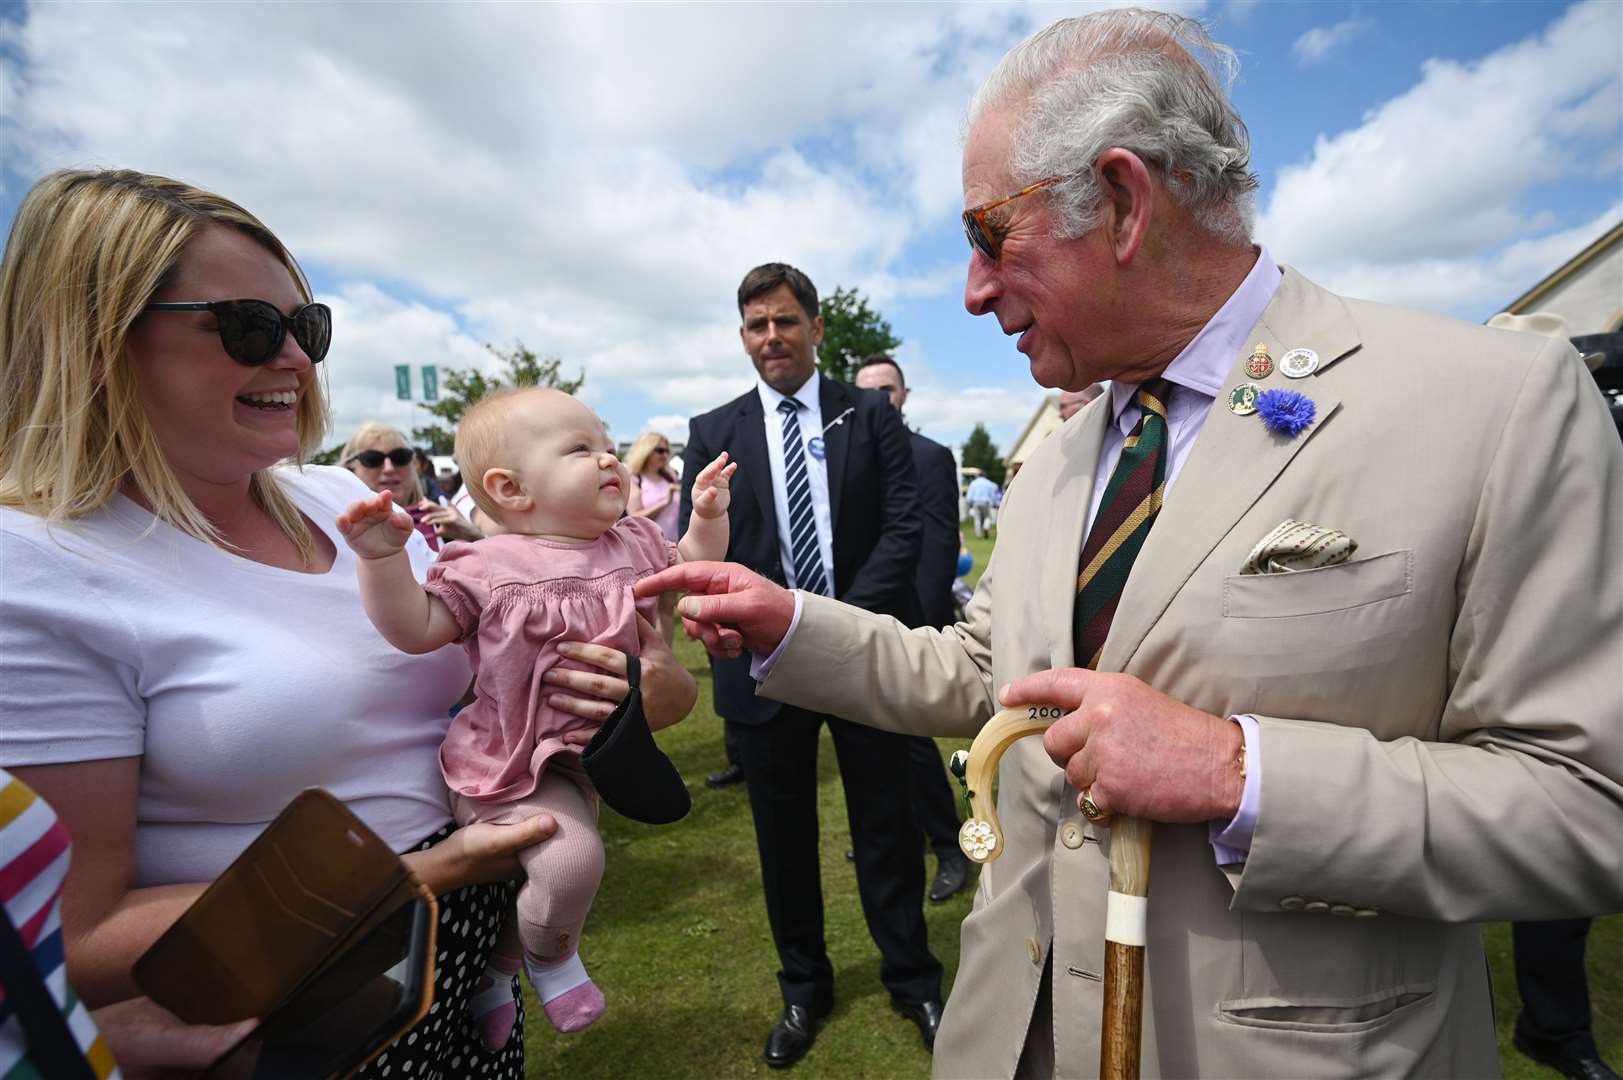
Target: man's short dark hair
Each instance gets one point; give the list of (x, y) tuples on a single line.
[(881, 358), (768, 276)]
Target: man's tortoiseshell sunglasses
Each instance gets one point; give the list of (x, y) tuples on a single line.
[(986, 235)]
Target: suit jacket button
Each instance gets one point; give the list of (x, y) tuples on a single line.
[(1071, 835), (1292, 903), (1365, 913), (1344, 910), (1316, 907), (1035, 950)]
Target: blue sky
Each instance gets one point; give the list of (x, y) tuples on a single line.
[(594, 180)]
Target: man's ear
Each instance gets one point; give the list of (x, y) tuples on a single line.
[(1129, 195), (505, 491), (817, 331)]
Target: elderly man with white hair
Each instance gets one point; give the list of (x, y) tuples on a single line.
[(1329, 591)]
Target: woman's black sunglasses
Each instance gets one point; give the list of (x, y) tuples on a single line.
[(252, 331), (373, 459)]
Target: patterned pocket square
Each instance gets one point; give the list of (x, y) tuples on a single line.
[(1296, 545)]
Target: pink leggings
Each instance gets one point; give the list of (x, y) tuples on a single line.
[(563, 872)]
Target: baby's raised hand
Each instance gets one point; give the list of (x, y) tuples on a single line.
[(372, 528), (711, 496)]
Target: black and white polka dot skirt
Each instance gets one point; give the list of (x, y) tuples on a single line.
[(445, 1045)]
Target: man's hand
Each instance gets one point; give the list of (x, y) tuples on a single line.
[(728, 608), (711, 488), (1135, 751), (373, 529)]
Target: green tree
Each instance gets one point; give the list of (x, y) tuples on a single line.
[(852, 331), (461, 387), (981, 453)]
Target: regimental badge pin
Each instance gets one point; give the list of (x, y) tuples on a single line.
[(1259, 365), (1243, 399), (1298, 363)]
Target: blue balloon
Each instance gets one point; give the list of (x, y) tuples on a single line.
[(966, 563)]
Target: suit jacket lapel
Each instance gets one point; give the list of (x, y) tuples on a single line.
[(749, 441), (834, 398), (1068, 512), (1234, 460)]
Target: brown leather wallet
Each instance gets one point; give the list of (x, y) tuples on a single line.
[(312, 884)]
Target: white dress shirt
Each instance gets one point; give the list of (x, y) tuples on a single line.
[(811, 427)]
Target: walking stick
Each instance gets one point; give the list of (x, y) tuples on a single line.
[(1127, 905)]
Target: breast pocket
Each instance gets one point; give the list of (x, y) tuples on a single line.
[(1314, 592), (1312, 643)]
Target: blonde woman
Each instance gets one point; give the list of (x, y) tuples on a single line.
[(384, 460), (656, 493), (182, 645)]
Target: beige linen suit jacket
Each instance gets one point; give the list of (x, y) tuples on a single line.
[(1441, 718)]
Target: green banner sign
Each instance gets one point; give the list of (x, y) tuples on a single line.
[(431, 383), (402, 381)]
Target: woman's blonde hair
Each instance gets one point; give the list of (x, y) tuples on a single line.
[(640, 450), (87, 252), (373, 432)]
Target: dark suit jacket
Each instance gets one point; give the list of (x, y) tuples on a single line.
[(937, 476), (873, 505)]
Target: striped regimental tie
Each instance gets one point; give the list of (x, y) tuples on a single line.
[(1128, 509), (802, 521)]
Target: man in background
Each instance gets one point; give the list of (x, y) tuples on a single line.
[(983, 498), (824, 501), (937, 476)]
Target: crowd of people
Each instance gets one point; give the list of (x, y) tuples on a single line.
[(1353, 652)]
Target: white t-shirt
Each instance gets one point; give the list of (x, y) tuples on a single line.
[(240, 684)]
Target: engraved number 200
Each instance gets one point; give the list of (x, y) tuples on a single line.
[(1045, 712)]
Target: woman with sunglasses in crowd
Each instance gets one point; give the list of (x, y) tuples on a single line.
[(385, 461), (656, 493), (182, 643)]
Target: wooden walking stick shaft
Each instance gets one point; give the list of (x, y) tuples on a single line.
[(1126, 927)]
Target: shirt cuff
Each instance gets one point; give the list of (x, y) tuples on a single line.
[(761, 666), (1231, 840)]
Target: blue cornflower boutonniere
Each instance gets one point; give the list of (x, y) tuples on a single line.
[(1285, 411)]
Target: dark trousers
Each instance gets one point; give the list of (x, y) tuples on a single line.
[(933, 809), (780, 770), (1555, 992)]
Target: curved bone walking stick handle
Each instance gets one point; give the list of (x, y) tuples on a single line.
[(1126, 906), (981, 836)]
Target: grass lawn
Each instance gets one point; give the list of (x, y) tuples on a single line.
[(678, 940)]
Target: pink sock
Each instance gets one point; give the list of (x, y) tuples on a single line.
[(568, 995), (494, 1007)]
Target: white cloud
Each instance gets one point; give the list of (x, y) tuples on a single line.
[(1434, 187), (1316, 44), (592, 179)]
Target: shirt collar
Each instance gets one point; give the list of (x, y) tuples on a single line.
[(1204, 362), (806, 395)]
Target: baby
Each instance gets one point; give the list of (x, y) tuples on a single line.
[(540, 464)]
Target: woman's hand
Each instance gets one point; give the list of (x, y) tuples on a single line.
[(668, 689), (149, 1041), (478, 853), (448, 522)]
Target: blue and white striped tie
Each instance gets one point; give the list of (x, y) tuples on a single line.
[(802, 521)]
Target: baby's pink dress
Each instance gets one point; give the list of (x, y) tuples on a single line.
[(515, 597)]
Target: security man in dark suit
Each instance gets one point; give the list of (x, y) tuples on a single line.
[(825, 501), (937, 476)]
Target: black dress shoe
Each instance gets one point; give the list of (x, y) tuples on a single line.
[(951, 875), (732, 774), (1584, 1065), (791, 1036), (926, 1014)]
